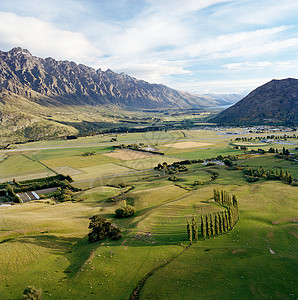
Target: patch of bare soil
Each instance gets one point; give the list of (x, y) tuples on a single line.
[(270, 234), (238, 251)]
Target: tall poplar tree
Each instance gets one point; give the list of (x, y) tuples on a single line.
[(195, 229), (189, 231), (203, 227)]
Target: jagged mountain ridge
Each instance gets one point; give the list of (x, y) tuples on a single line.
[(51, 82), (275, 102)]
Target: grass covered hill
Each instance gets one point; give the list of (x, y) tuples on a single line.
[(275, 102)]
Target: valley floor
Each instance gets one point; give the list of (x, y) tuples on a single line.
[(46, 245)]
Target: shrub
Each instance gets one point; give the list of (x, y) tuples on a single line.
[(197, 182), (173, 178), (30, 292), (88, 153), (251, 178), (101, 229), (125, 212), (63, 194), (227, 162)]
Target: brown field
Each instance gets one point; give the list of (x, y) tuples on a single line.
[(185, 145), (125, 154)]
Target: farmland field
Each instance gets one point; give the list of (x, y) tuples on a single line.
[(45, 244)]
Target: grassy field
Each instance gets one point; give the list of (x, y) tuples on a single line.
[(46, 245)]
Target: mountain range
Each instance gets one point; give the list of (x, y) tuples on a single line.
[(45, 97), (49, 82), (275, 102)]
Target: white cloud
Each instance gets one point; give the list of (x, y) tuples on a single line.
[(44, 39), (169, 41), (225, 86), (247, 65), (239, 44), (273, 66), (259, 12)]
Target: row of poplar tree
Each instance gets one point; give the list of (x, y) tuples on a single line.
[(214, 224)]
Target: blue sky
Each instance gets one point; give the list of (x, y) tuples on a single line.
[(199, 46)]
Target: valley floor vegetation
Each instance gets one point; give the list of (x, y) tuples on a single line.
[(184, 214)]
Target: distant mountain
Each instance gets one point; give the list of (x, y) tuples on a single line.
[(223, 99), (51, 82), (275, 102)]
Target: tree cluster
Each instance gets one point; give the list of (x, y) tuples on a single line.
[(32, 293), (101, 229), (193, 230), (11, 193), (230, 203), (42, 183), (88, 153), (63, 194), (170, 169), (268, 137), (137, 147), (253, 174), (217, 223)]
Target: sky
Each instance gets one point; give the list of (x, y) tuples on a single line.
[(198, 46)]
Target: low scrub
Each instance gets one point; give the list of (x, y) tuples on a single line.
[(32, 293)]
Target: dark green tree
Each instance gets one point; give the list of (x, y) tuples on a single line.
[(217, 224), (32, 293), (195, 229), (203, 227), (189, 231), (212, 228), (101, 229)]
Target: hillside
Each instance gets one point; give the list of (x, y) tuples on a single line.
[(275, 102)]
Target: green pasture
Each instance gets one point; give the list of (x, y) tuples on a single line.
[(18, 163), (240, 262), (79, 161), (185, 179), (46, 245), (103, 170), (146, 163), (151, 196), (135, 177), (98, 194), (68, 152), (51, 250), (206, 153), (269, 161)]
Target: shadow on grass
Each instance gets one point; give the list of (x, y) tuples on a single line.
[(59, 245), (76, 250)]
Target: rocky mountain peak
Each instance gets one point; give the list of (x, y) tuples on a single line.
[(19, 51)]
